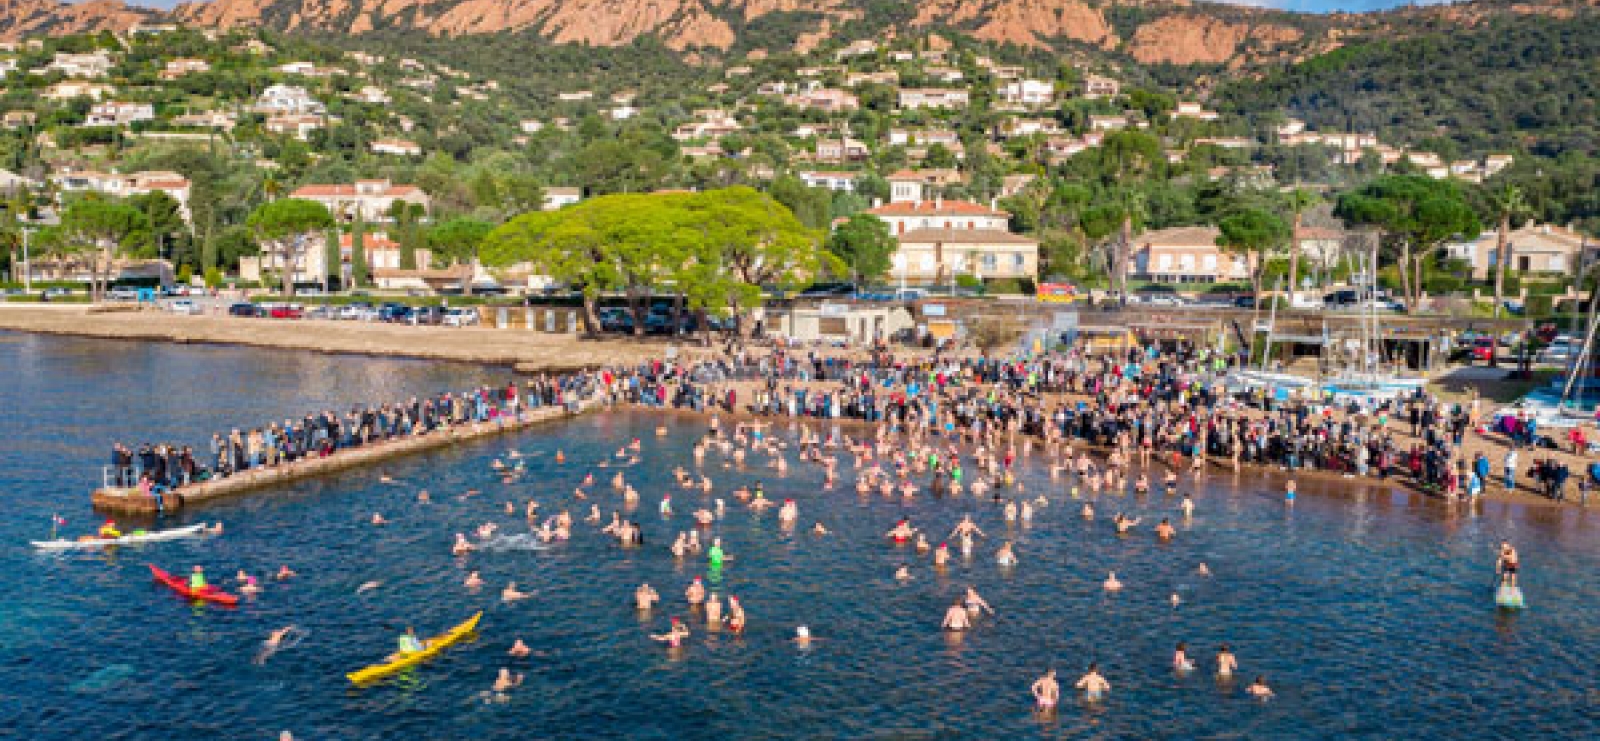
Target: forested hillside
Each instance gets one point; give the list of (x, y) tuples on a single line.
[(1529, 83)]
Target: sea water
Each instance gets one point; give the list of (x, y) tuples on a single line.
[(1369, 611)]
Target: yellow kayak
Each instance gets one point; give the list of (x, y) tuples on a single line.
[(434, 646)]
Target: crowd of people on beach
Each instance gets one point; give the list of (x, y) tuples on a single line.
[(1141, 401)]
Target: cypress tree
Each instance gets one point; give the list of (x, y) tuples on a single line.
[(358, 254)]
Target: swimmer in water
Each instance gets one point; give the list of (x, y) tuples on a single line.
[(956, 618), (510, 593), (1088, 511), (1046, 692), (1175, 600), (1111, 584), (976, 603), (802, 637), (645, 597), (250, 586), (1165, 531), (423, 498), (473, 581), (1259, 688), (275, 638), (1124, 524), (713, 612), (377, 519), (1226, 663), (1507, 564), (1288, 493), (695, 593), (519, 650), (903, 573), (1005, 556), (818, 529), (1204, 570), (674, 637), (285, 573), (461, 547), (1180, 659), (1187, 505), (1093, 685), (506, 681), (941, 556)]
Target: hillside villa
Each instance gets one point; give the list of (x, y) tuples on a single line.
[(369, 199), (1184, 254), (1535, 248)]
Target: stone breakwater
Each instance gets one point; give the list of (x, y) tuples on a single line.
[(122, 500)]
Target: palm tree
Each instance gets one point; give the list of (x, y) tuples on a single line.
[(1511, 204), (1298, 201), (1134, 209)]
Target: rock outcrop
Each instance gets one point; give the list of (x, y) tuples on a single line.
[(1160, 31)]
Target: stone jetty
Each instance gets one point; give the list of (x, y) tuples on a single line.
[(120, 500)]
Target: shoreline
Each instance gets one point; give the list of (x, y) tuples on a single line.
[(525, 351)]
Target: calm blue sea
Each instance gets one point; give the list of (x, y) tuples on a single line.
[(1369, 612)]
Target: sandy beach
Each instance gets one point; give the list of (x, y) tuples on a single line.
[(527, 350)]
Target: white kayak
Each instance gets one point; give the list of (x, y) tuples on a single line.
[(173, 534)]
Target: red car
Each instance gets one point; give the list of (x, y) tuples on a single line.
[(285, 311), (1483, 349)]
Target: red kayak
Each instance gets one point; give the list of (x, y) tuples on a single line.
[(181, 586)]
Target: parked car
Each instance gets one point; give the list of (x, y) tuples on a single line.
[(286, 311), (427, 315), (1483, 348), (614, 319), (1244, 302), (122, 294), (57, 292), (1561, 351), (1165, 299), (185, 306), (827, 290), (460, 318), (322, 311), (397, 313), (359, 311), (910, 294), (244, 310)]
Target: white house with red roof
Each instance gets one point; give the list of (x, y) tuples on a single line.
[(938, 238), (370, 199), (120, 185)]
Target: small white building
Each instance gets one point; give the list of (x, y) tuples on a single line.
[(396, 147), (298, 126), (288, 100), (830, 179), (949, 98), (1028, 92), (94, 64), (560, 197), (116, 113)]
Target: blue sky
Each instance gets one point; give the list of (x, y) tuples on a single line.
[(1311, 6)]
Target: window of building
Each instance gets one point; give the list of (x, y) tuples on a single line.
[(989, 262)]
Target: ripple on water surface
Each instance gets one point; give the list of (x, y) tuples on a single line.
[(1369, 613)]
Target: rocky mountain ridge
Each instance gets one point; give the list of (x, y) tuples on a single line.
[(1176, 32)]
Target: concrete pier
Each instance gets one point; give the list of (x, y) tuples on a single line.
[(131, 501)]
